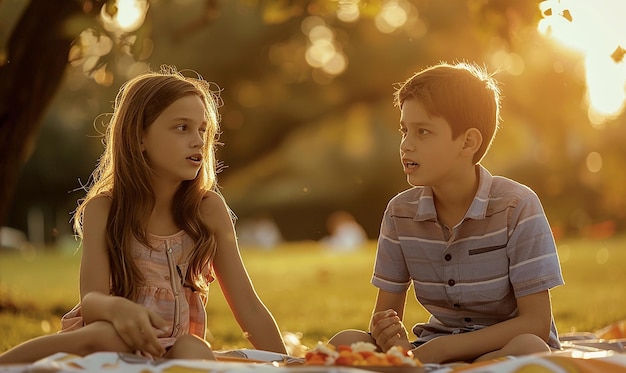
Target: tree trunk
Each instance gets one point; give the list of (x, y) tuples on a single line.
[(37, 58)]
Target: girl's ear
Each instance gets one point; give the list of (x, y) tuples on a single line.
[(473, 141)]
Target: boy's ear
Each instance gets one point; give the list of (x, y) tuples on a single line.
[(473, 141)]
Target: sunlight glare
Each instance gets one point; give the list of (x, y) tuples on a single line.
[(595, 29), (605, 85), (129, 17)]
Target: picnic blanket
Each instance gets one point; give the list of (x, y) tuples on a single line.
[(599, 352)]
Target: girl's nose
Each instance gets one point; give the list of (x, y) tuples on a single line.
[(198, 140)]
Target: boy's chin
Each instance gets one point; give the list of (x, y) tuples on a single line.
[(413, 183)]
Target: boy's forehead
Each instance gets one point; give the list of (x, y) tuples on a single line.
[(413, 107)]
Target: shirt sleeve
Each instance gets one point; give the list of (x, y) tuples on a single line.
[(534, 262), (390, 269)]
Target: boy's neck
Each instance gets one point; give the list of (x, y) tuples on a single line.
[(452, 200)]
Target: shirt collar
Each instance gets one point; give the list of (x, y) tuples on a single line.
[(477, 210)]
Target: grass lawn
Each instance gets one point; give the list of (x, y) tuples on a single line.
[(309, 290)]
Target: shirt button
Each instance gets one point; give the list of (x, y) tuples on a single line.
[(448, 257), (468, 319), (451, 282), (166, 277)]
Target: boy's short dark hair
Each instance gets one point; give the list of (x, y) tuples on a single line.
[(464, 94)]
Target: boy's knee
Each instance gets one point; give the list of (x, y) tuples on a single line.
[(526, 344), (523, 344)]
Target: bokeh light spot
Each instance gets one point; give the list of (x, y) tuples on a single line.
[(602, 256), (348, 11), (393, 15), (594, 162)]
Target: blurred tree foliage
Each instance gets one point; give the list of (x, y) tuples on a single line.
[(301, 142)]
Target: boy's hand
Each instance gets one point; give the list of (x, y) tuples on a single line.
[(138, 326), (388, 330)]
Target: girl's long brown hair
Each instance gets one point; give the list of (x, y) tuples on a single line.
[(123, 174)]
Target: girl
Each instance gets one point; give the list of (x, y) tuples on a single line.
[(154, 233)]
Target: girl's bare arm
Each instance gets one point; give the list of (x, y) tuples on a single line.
[(254, 318), (136, 325)]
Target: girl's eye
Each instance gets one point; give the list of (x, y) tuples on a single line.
[(422, 131), (403, 130)]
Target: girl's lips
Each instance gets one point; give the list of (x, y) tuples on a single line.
[(195, 157), (196, 160)]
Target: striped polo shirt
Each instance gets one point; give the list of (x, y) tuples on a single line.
[(468, 277)]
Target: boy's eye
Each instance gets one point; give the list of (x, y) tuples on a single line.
[(402, 130), (181, 127)]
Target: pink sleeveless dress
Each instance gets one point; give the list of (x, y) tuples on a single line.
[(164, 269)]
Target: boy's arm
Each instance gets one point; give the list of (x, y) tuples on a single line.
[(534, 316), (386, 325)]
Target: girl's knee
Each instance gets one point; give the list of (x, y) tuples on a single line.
[(190, 346), (101, 336)]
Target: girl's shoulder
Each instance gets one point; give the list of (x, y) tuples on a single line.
[(212, 200), (214, 210), (100, 202)]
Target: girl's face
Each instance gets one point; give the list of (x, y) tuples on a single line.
[(427, 150), (173, 144)]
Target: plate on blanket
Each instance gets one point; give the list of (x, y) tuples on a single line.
[(391, 369)]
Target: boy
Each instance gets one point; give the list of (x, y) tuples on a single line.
[(477, 248)]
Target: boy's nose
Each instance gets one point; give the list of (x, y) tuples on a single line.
[(406, 145)]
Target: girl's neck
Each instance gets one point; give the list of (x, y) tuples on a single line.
[(161, 221)]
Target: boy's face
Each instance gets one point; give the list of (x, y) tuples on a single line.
[(428, 153)]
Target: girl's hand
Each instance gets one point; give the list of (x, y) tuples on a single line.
[(388, 330), (138, 326)]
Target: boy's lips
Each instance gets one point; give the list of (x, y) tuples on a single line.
[(409, 164)]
